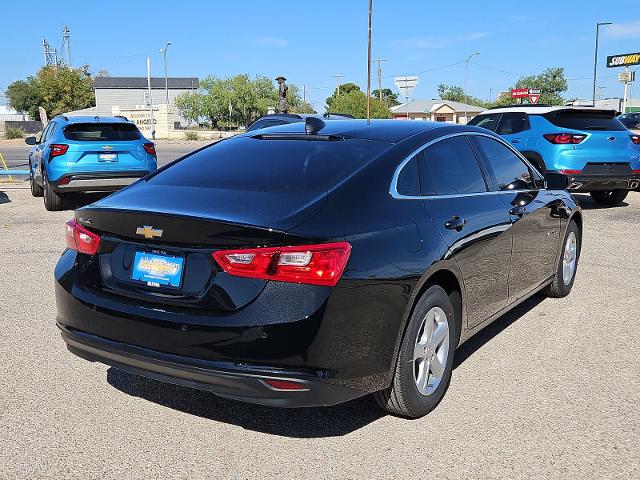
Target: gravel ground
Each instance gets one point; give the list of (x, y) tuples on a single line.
[(550, 390)]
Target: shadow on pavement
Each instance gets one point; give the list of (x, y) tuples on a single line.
[(299, 422), (588, 203), (4, 198), (295, 422)]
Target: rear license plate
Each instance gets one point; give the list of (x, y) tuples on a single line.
[(108, 157), (156, 270)]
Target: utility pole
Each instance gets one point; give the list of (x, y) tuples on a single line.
[(66, 37), (466, 74), (153, 126), (369, 65), (380, 60), (338, 77), (595, 60), (166, 79), (304, 93)]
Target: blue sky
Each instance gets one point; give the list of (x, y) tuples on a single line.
[(308, 42)]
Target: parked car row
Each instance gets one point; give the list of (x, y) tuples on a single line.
[(308, 261)]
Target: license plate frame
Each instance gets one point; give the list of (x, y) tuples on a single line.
[(158, 269), (107, 157)]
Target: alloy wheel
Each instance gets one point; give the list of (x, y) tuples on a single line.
[(431, 351)]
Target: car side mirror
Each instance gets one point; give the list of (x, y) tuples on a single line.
[(31, 140), (556, 181)]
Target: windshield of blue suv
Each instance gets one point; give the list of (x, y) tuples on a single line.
[(585, 120), (102, 132)]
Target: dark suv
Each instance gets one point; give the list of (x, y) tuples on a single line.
[(630, 120)]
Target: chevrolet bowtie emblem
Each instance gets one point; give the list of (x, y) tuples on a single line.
[(107, 147), (148, 232)]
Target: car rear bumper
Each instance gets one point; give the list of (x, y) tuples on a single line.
[(239, 382), (588, 183), (96, 182)]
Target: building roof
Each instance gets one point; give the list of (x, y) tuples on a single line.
[(426, 106), (174, 83)]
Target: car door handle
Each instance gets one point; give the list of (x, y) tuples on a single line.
[(455, 223), (518, 211)]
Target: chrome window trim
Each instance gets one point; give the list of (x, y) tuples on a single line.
[(393, 190)]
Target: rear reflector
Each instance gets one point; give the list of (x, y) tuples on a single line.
[(635, 139), (150, 148), (570, 172), (285, 385), (57, 149), (564, 138), (320, 264), (80, 239)]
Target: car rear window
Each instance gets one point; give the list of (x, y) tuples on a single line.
[(247, 163), (98, 132), (585, 120)]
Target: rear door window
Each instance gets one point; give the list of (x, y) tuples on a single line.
[(511, 123), (509, 171), (102, 132), (450, 167), (585, 120), (485, 121), (409, 179)]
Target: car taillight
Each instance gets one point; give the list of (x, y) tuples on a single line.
[(635, 172), (564, 138), (150, 148), (570, 172), (57, 149), (635, 139), (81, 239), (320, 264)]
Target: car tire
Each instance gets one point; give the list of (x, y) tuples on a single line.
[(431, 335), (36, 190), (609, 197), (567, 265), (52, 201)]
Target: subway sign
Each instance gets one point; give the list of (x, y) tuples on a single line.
[(624, 60)]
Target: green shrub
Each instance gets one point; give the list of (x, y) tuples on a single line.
[(13, 132), (191, 135)]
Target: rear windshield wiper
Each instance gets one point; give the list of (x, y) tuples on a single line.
[(298, 136)]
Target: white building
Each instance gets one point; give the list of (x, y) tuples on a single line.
[(436, 111), (127, 93)]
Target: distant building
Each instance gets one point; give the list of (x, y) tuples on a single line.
[(436, 111), (614, 103), (126, 93), (8, 114)]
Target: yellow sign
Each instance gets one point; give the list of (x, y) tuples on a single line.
[(623, 60)]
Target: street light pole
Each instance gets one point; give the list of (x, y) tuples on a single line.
[(166, 79), (595, 60), (466, 74)]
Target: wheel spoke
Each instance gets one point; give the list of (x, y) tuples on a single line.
[(439, 334), (418, 351), (436, 367)]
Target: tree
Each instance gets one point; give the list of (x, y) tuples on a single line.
[(455, 93), (388, 97), (551, 83), (343, 89), (191, 105), (57, 89), (355, 103)]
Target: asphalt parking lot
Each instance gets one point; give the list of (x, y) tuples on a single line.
[(550, 390)]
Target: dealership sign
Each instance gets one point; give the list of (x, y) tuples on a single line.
[(520, 93), (624, 60)]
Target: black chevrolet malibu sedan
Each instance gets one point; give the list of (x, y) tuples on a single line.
[(312, 263)]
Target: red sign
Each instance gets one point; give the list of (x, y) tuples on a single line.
[(533, 98), (520, 93)]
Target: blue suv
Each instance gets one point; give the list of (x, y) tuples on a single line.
[(87, 154), (589, 145)]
